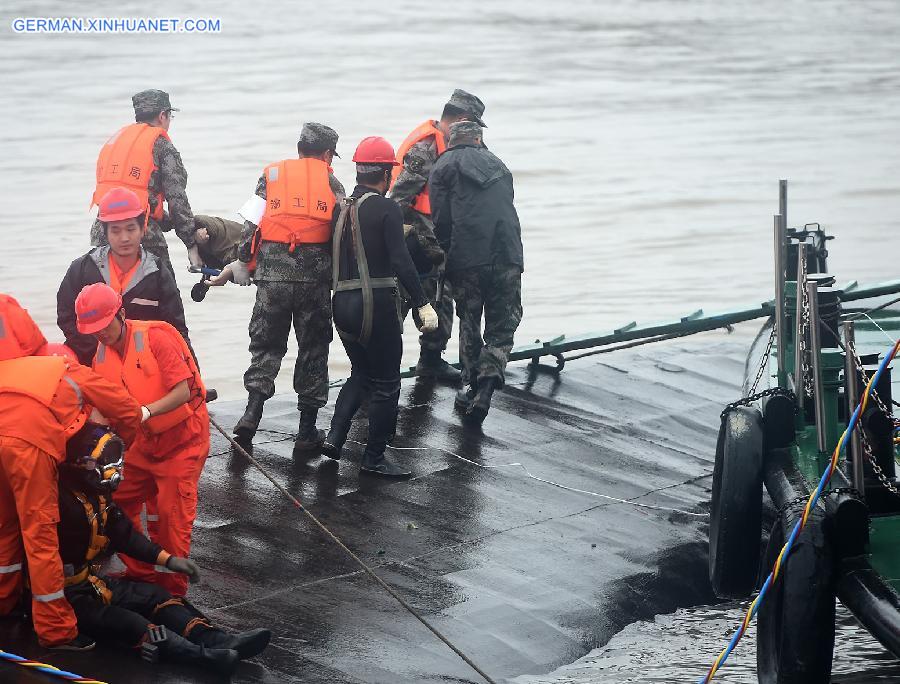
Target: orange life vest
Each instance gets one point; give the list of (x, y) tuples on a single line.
[(11, 347), (299, 202), (38, 377), (422, 132), (139, 373), (126, 161)]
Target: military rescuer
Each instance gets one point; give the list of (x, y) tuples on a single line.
[(142, 158), (476, 223), (118, 611), (148, 290), (44, 400), (153, 362), (410, 190), (369, 254), (288, 232)]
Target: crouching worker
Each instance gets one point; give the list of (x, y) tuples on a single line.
[(118, 611), (43, 402), (152, 361)]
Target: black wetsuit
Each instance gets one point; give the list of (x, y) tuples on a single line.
[(109, 609), (375, 366)]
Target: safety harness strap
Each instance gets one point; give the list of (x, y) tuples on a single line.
[(364, 283)]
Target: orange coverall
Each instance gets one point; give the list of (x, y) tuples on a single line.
[(165, 468), (32, 444)]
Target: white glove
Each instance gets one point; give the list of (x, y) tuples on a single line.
[(429, 318), (145, 413), (407, 229), (239, 272), (194, 257)]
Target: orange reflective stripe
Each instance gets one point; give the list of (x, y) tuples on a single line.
[(126, 161), (299, 202), (423, 131)]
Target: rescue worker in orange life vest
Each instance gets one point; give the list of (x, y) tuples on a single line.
[(142, 158), (148, 289), (369, 256), (287, 232), (154, 364), (44, 400), (409, 188), (118, 611)]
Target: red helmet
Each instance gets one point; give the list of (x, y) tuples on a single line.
[(60, 349), (120, 204), (95, 306), (375, 150)]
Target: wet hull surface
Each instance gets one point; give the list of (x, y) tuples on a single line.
[(522, 575)]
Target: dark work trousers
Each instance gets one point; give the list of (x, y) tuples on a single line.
[(375, 368), (133, 605)]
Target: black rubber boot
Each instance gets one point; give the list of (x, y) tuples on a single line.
[(248, 644), (464, 398), (308, 437), (377, 464), (249, 422), (482, 403), (349, 399), (432, 365), (164, 644), (331, 448), (382, 419)]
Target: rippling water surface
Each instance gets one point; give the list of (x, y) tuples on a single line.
[(681, 647)]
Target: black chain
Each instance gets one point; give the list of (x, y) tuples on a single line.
[(771, 392), (804, 498)]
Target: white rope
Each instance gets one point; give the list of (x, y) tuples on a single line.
[(528, 473)]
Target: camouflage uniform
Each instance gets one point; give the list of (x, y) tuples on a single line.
[(290, 288), (496, 292), (478, 226), (410, 182), (168, 178)]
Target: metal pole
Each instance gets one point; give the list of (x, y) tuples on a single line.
[(799, 380), (815, 348), (851, 388), (780, 336), (782, 202)]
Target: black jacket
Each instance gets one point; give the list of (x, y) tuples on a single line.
[(471, 194), (74, 529), (151, 295)]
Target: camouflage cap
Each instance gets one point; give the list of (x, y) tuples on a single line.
[(468, 103), (463, 131), (151, 102), (319, 136)]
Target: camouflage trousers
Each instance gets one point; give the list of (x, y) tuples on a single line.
[(436, 340), (279, 305), (154, 241), (496, 292)]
